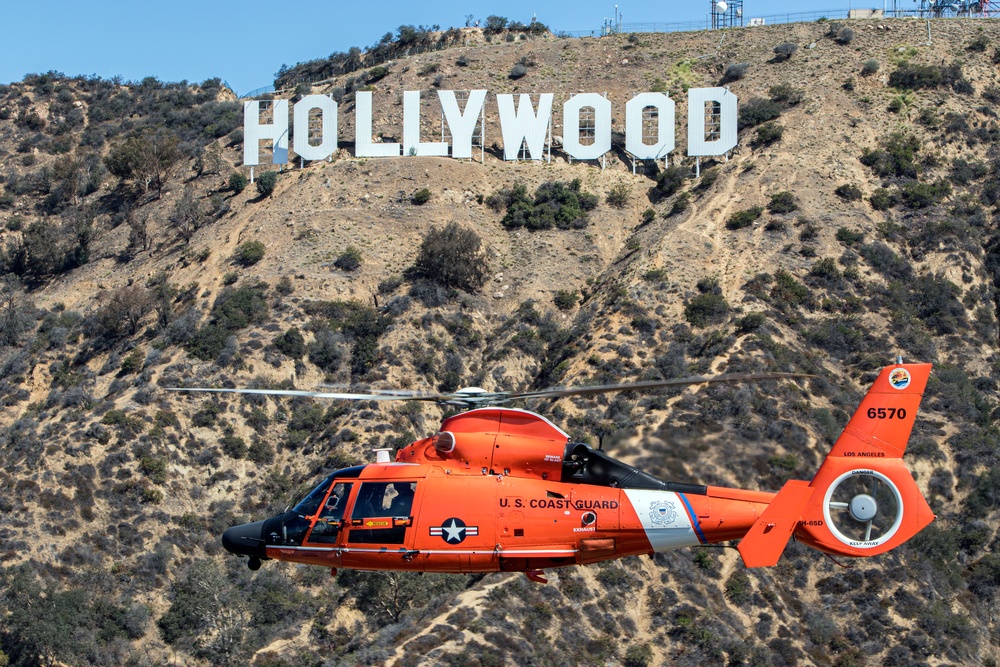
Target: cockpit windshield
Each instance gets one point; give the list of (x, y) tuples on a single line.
[(306, 504)]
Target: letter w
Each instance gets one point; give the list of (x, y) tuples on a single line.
[(524, 125)]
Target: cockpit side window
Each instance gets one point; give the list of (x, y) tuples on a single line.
[(327, 525), (378, 499), (310, 504)]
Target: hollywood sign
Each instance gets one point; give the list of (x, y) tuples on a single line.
[(520, 125)]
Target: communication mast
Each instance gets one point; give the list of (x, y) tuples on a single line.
[(727, 14)]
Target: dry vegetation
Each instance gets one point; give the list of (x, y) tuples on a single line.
[(857, 220)]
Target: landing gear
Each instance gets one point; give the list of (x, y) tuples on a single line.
[(254, 563), (536, 576)]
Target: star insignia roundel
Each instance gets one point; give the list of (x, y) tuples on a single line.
[(454, 531)]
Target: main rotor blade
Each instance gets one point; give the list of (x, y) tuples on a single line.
[(655, 384), (315, 394)]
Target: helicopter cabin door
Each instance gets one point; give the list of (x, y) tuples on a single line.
[(380, 530)]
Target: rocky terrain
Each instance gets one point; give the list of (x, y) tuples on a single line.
[(856, 220)]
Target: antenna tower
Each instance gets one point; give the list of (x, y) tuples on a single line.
[(729, 13)]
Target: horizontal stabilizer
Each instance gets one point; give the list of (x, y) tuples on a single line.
[(766, 540)]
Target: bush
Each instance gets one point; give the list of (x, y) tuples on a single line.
[(618, 195), (349, 260), (266, 183), (734, 72), (556, 204), (377, 73), (849, 237), (451, 257), (565, 299), (921, 195), (897, 157), (671, 179), (517, 71), (785, 50), (237, 182), (291, 344), (845, 35), (882, 199), (870, 67), (978, 45), (249, 253), (421, 196), (786, 94), (783, 202), (745, 218), (758, 110), (706, 308), (848, 192), (767, 134)]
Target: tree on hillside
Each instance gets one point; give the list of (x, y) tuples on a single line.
[(148, 158), (451, 257)]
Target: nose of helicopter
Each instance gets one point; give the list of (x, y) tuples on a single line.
[(245, 540)]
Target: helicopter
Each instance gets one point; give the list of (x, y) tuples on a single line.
[(504, 489)]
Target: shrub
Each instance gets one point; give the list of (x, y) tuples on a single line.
[(848, 192), (421, 196), (556, 204), (517, 71), (565, 299), (870, 67), (758, 110), (921, 195), (377, 73), (249, 253), (849, 237), (845, 35), (786, 94), (734, 72), (451, 257), (978, 45), (349, 260), (767, 134), (463, 61), (237, 182), (785, 50), (291, 344), (745, 218), (618, 195), (897, 157), (671, 179), (266, 183), (783, 202), (706, 308)]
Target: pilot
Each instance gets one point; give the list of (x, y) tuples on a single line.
[(403, 501)]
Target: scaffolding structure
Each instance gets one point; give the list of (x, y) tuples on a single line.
[(726, 14)]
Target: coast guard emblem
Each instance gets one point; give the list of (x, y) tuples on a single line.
[(662, 512)]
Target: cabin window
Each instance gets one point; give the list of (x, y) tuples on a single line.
[(382, 513)]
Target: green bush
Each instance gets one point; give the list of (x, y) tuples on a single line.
[(849, 192), (349, 260), (767, 134), (377, 73), (249, 253), (706, 308), (671, 179), (266, 183), (783, 202), (870, 67), (786, 94), (849, 237), (734, 72), (882, 199), (452, 257), (758, 110), (517, 71), (237, 182), (618, 195), (785, 50), (291, 344), (565, 299), (745, 218), (556, 204), (921, 195), (978, 44), (896, 157), (421, 196)]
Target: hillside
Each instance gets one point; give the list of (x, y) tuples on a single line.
[(856, 220)]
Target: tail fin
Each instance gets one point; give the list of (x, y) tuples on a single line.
[(863, 501)]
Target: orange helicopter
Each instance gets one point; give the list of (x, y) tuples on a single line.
[(503, 489)]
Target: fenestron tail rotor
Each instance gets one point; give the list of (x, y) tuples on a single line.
[(864, 508), (473, 397)]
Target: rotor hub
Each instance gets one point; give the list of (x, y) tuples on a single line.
[(863, 507)]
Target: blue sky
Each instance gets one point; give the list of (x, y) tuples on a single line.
[(246, 42)]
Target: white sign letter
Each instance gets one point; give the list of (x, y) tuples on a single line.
[(363, 144), (254, 132), (411, 129), (602, 126), (328, 132), (725, 132), (664, 143), (462, 125), (524, 125)]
